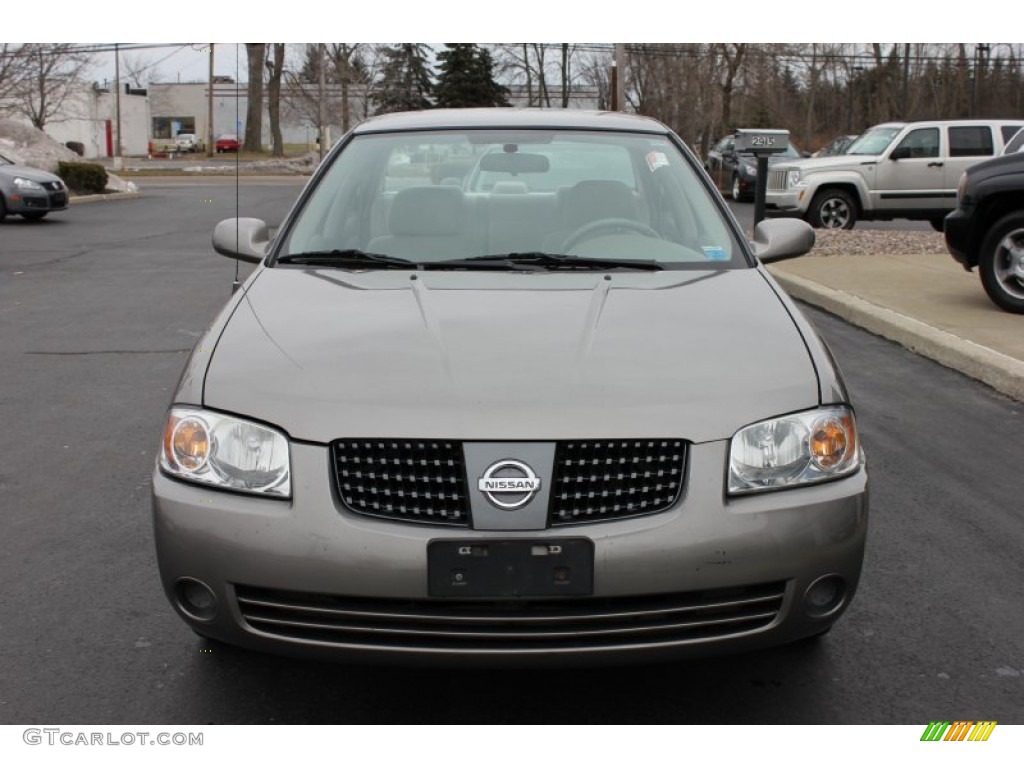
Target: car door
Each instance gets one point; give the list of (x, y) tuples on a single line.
[(911, 177)]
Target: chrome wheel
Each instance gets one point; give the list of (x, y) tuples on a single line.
[(1001, 263), (1009, 263), (833, 209)]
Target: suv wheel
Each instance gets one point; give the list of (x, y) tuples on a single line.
[(832, 209), (737, 189), (1001, 263)]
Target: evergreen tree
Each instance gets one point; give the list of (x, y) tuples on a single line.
[(405, 79), (466, 78)]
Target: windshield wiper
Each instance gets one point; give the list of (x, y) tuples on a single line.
[(349, 257), (543, 260)]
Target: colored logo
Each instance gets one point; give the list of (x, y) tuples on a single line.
[(959, 730)]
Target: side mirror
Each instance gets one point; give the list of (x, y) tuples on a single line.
[(778, 239), (900, 153), (245, 239)]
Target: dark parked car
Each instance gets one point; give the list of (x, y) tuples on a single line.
[(736, 172), (987, 228), (29, 192)]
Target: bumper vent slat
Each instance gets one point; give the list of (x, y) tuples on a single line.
[(509, 625)]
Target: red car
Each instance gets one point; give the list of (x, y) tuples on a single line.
[(227, 143)]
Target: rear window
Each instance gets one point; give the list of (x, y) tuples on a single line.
[(971, 141)]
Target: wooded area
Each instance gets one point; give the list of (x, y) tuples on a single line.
[(702, 90)]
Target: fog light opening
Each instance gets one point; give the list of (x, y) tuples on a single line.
[(825, 596), (195, 599)]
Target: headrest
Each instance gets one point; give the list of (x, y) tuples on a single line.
[(427, 211), (510, 188)]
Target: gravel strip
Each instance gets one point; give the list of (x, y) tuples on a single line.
[(860, 242)]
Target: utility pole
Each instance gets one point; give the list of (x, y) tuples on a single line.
[(209, 112), (118, 159), (620, 77), (322, 127)]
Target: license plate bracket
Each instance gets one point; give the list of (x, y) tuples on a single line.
[(495, 568)]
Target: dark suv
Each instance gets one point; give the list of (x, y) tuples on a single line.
[(987, 228)]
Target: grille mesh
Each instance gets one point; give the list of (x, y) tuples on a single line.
[(777, 180), (598, 480), (424, 481), (417, 480)]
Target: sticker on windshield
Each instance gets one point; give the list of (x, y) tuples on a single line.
[(656, 160), (715, 253)]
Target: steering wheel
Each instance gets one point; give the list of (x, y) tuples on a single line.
[(601, 226)]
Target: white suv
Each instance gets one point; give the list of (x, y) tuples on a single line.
[(188, 142), (893, 171)]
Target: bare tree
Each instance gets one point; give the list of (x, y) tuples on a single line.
[(13, 69), (139, 70), (255, 53), (275, 70), (53, 71)]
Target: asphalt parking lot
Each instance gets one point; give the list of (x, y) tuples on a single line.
[(99, 306)]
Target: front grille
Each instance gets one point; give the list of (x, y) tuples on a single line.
[(777, 181), (52, 185), (605, 479), (421, 481), (424, 481), (58, 199), (511, 625)]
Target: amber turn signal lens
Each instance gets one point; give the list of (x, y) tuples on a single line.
[(190, 443), (831, 442)]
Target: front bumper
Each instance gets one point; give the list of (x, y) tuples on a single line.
[(308, 577), (957, 231), (36, 201), (789, 203)]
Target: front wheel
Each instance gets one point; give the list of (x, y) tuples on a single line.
[(737, 189), (34, 216), (1001, 263), (832, 209)]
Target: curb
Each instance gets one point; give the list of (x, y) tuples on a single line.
[(1001, 372), (103, 198)]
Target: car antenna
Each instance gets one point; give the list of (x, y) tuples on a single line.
[(236, 284)]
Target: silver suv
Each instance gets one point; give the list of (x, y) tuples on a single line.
[(561, 413), (892, 171)]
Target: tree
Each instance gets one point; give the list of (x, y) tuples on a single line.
[(275, 70), (52, 72), (13, 69), (405, 82), (466, 78), (255, 53)]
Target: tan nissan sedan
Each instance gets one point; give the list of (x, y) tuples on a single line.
[(510, 386)]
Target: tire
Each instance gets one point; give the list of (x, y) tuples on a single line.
[(3, 208), (1001, 263), (832, 209), (737, 189), (938, 223), (35, 215)]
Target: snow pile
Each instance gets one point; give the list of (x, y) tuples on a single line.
[(27, 145)]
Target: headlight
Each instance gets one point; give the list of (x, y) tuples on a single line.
[(751, 170), (794, 450), (793, 179), (226, 452), (26, 183)]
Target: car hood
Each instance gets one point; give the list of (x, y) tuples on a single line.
[(326, 354), (25, 172), (830, 163)]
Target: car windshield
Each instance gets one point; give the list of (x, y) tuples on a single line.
[(873, 142), (455, 195), (790, 151)]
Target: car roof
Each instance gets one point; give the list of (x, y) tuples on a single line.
[(509, 117), (958, 122)]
